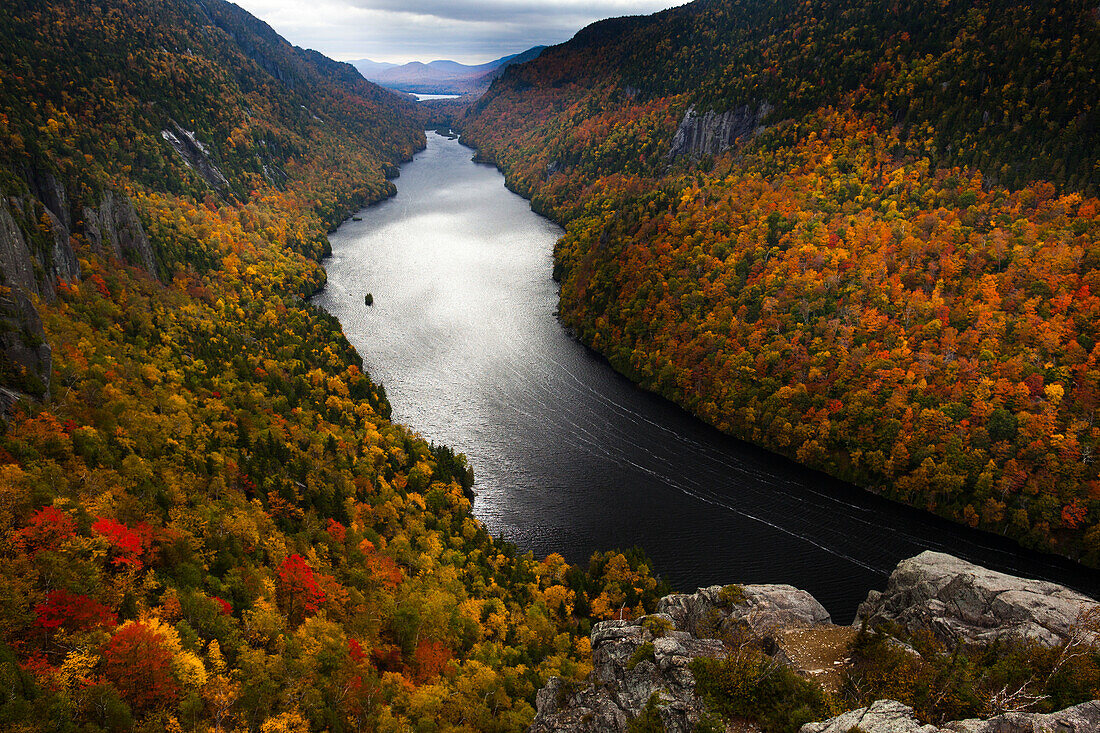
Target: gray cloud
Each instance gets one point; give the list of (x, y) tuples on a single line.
[(469, 31)]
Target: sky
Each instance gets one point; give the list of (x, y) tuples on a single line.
[(467, 31)]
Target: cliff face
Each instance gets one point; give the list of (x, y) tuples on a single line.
[(114, 228), (15, 259), (37, 251), (36, 255), (194, 154), (715, 132), (25, 357)]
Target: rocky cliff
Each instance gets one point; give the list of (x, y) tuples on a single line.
[(36, 254), (194, 154), (651, 656), (632, 662), (713, 132), (114, 228), (649, 660)]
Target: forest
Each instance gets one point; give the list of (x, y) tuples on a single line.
[(207, 519), (890, 274)]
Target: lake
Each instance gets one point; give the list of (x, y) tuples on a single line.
[(568, 455)]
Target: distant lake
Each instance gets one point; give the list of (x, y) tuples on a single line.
[(571, 457), (429, 97)]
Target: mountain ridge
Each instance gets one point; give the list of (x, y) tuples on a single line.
[(442, 76)]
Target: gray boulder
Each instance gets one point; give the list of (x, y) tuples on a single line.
[(1083, 718), (883, 716), (962, 602), (762, 609), (890, 716)]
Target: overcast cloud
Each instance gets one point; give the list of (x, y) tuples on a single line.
[(468, 31)]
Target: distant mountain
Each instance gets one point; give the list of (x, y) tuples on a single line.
[(442, 76), (370, 68)]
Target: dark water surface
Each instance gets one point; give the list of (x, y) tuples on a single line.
[(569, 456)]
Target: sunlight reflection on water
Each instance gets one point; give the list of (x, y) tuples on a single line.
[(569, 456)]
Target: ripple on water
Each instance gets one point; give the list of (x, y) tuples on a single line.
[(569, 456)]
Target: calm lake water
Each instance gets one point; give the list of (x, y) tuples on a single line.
[(569, 456)]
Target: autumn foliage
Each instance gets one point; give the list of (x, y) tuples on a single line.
[(137, 662), (72, 611), (299, 594), (48, 529), (127, 544), (211, 522), (891, 276)]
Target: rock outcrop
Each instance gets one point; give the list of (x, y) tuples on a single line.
[(634, 660), (46, 188), (764, 609), (114, 228), (25, 358), (194, 154), (36, 253), (962, 602), (31, 260), (882, 716), (715, 132), (16, 266), (890, 716), (65, 267), (1083, 718)]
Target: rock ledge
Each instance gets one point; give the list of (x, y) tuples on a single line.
[(962, 602)]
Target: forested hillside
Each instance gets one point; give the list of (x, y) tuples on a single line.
[(207, 520), (864, 235)]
